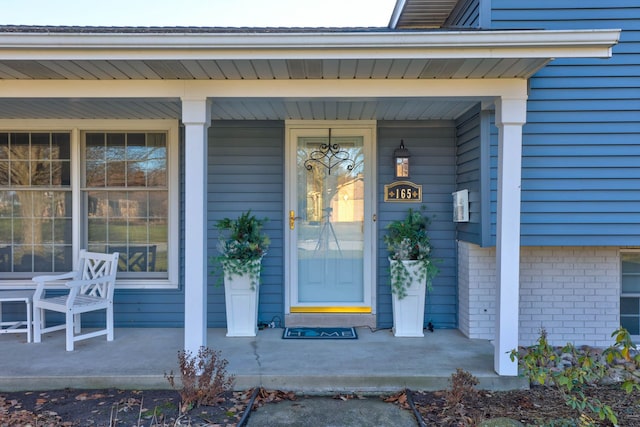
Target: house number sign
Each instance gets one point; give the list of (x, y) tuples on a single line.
[(403, 191)]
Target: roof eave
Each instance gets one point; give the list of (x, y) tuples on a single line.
[(435, 44)]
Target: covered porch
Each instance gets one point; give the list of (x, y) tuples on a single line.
[(139, 358), (197, 78)]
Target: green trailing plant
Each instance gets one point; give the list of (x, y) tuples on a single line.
[(204, 378), (241, 246), (407, 240), (540, 363)]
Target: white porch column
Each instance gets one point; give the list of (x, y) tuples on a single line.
[(196, 117), (510, 116)]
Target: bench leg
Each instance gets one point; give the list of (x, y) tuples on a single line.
[(37, 324), (69, 329), (110, 322), (29, 321)]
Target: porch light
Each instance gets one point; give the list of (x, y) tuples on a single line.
[(401, 159)]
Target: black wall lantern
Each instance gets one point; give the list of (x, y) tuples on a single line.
[(401, 161)]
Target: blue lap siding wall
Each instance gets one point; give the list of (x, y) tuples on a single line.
[(581, 143)]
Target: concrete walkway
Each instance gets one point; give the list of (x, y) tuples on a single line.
[(139, 358), (328, 412)]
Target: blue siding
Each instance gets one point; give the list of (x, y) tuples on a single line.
[(581, 143), (432, 146), (466, 14), (246, 171), (470, 173)]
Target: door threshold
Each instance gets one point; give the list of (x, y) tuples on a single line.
[(329, 320)]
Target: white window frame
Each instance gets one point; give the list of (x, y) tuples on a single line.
[(76, 128)]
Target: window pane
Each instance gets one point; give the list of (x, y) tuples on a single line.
[(97, 230), (630, 262), (6, 260), (117, 231), (22, 204), (630, 284), (157, 173), (631, 324), (97, 204), (42, 258), (115, 157), (4, 146), (4, 172), (162, 261), (20, 173), (40, 146), (62, 231), (22, 258), (96, 174), (118, 204), (41, 173), (6, 231), (158, 207), (62, 204), (61, 146), (630, 306), (6, 204), (19, 143), (45, 232), (62, 258), (60, 173)]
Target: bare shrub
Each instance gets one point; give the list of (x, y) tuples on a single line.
[(204, 378)]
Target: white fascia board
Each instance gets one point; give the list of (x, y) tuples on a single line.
[(372, 45), (477, 88)]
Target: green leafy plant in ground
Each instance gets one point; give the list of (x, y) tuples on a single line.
[(622, 350), (540, 364), (204, 378)]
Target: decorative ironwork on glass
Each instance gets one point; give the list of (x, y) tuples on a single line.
[(329, 155)]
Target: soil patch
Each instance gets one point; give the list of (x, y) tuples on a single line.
[(538, 406)]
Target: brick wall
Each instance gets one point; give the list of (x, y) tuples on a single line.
[(572, 292)]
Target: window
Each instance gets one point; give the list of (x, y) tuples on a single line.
[(35, 203), (126, 195), (111, 186), (630, 295)]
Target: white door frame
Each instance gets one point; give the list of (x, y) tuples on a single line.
[(366, 128)]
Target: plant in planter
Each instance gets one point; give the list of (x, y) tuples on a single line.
[(242, 244), (407, 240), (412, 271)]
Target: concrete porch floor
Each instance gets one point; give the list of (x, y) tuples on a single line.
[(139, 358)]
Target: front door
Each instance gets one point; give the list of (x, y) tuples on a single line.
[(330, 233)]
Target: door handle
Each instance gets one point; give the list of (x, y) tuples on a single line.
[(292, 220)]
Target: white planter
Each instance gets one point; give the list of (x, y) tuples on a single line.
[(408, 312), (241, 305)]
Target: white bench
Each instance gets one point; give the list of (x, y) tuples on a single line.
[(19, 326)]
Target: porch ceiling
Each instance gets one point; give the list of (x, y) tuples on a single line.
[(271, 69), (239, 109)]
